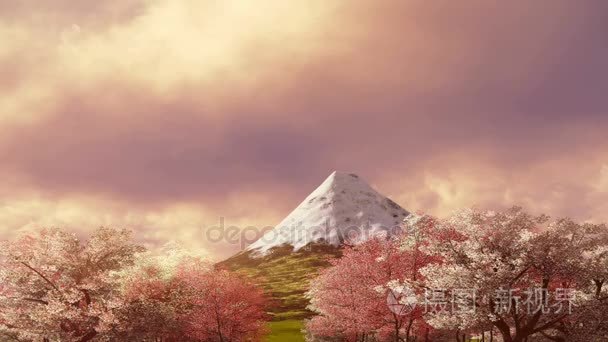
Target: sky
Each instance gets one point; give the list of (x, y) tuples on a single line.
[(168, 116)]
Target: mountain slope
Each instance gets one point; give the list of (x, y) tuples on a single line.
[(342, 210), (285, 275)]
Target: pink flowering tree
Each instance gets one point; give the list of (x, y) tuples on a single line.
[(178, 297), (152, 307), (531, 279), (217, 305), (360, 296), (57, 287)]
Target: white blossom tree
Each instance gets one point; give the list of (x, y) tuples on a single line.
[(57, 287), (521, 269)]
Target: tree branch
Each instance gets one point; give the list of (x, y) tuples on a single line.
[(40, 274)]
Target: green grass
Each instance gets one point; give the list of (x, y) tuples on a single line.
[(285, 277), (288, 330)]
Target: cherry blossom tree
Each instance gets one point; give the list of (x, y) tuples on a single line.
[(154, 298), (353, 296), (151, 309), (588, 322), (344, 295), (519, 265), (220, 306), (521, 275), (178, 297), (57, 287)]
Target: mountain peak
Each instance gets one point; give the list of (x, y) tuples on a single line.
[(344, 209), (341, 174), (338, 180)]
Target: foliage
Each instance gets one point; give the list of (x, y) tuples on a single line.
[(526, 256), (221, 306), (56, 287), (351, 296), (486, 254)]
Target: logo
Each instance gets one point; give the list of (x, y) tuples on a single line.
[(401, 301)]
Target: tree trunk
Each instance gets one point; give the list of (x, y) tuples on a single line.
[(504, 331), (408, 331), (598, 287), (89, 336), (397, 327), (219, 326)]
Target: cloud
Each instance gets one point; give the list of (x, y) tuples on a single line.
[(570, 186), (159, 105), (193, 226)]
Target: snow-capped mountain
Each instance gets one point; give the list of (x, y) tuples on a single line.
[(344, 209)]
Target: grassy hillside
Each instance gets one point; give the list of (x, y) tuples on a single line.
[(285, 275), (287, 330)]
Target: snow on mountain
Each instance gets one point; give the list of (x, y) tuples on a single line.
[(344, 209)]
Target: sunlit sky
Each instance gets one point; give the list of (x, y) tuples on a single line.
[(163, 116)]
